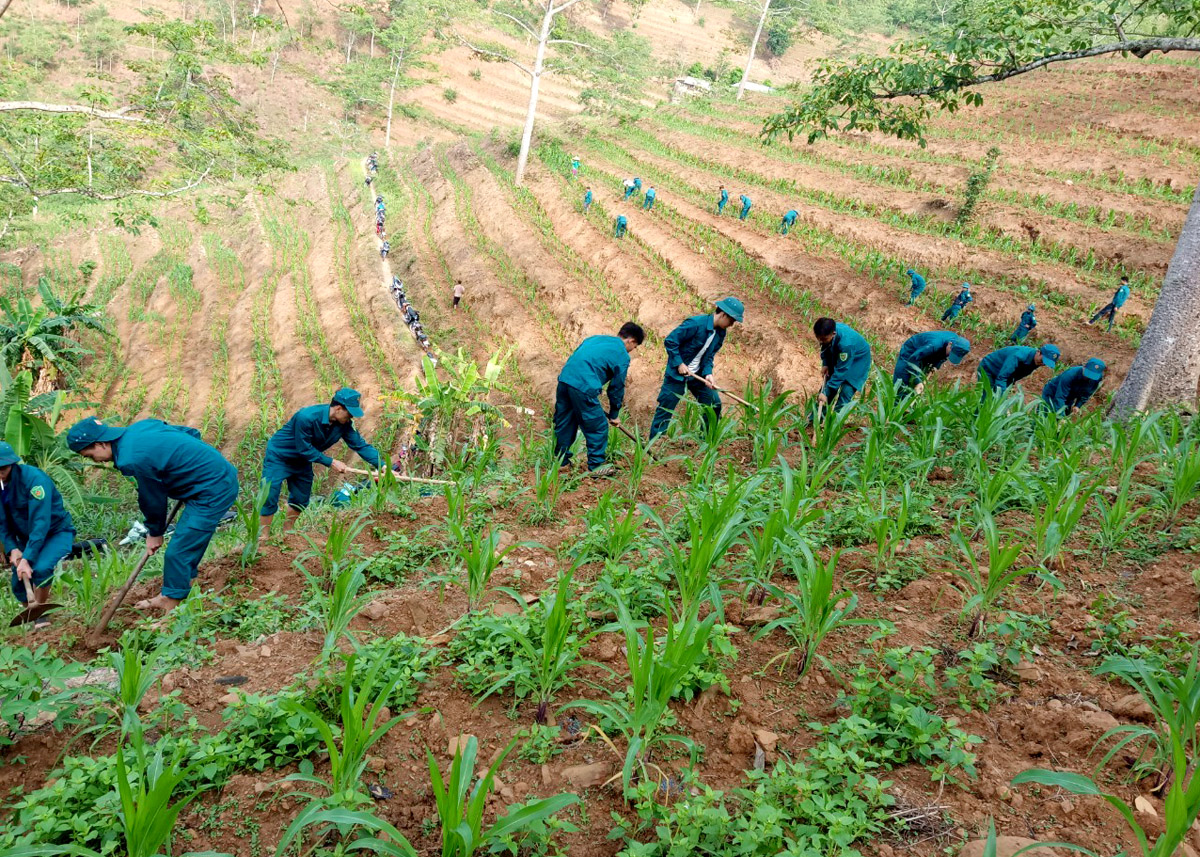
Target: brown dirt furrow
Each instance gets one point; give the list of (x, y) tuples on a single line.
[(488, 296)]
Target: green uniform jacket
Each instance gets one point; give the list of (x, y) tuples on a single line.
[(170, 462), (598, 361), (848, 357), (32, 510), (684, 343), (1007, 366), (310, 432), (1069, 389)]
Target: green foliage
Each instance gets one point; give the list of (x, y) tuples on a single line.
[(32, 683), (43, 339), (977, 183)]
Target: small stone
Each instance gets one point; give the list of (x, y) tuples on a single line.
[(1006, 846), (1026, 671), (521, 789), (1054, 705), (508, 794), (761, 615), (1067, 807), (768, 740), (505, 540), (885, 850), (1133, 707), (376, 764), (547, 775), (741, 740), (375, 611), (1142, 804), (458, 744), (229, 698), (587, 776), (264, 651)]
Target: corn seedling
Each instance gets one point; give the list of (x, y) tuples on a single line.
[(361, 703), (1118, 513), (832, 426), (1175, 701), (337, 609), (548, 486), (613, 529), (339, 540), (248, 516), (1180, 479), (889, 526), (813, 611), (713, 524), (654, 673), (147, 815), (1054, 520), (460, 806), (778, 532), (375, 834), (545, 670), (89, 587), (480, 556), (983, 587)]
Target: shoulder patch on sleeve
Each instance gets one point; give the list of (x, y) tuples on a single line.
[(38, 492), (843, 356)]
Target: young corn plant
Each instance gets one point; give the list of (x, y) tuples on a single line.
[(460, 806), (339, 541), (984, 586), (831, 430), (1180, 480), (713, 525), (887, 528), (655, 671), (1055, 519), (814, 610), (549, 661), (360, 706), (793, 510), (548, 486), (480, 556), (613, 528), (100, 573), (1175, 701), (336, 609), (251, 521), (146, 789), (1119, 514)]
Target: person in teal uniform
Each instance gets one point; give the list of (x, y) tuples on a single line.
[(1069, 391), (587, 200), (959, 304), (1006, 366), (690, 349), (598, 362), (917, 284), (35, 526), (621, 226), (846, 357), (168, 463), (1109, 310), (745, 212), (923, 353), (302, 441), (788, 221), (651, 194), (1026, 324), (722, 200)]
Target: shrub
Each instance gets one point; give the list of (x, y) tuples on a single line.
[(977, 183), (450, 94)]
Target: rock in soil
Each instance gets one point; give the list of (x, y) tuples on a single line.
[(587, 776), (767, 739), (458, 744), (741, 740), (1006, 846), (1133, 707)]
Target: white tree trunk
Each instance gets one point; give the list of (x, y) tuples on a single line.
[(539, 65), (1166, 369), (762, 19), (387, 136)]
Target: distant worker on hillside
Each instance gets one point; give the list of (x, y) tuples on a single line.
[(637, 185), (367, 181), (1069, 391), (384, 248), (917, 283), (574, 168), (168, 463), (294, 449), (651, 193), (599, 361), (923, 353), (722, 200), (846, 357), (1006, 366), (628, 188), (587, 200), (745, 212), (35, 526), (1109, 310), (622, 225), (788, 221), (960, 303), (458, 293), (1026, 324), (690, 349)]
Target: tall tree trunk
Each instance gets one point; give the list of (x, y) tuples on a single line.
[(762, 19), (1166, 368), (539, 65), (387, 136)]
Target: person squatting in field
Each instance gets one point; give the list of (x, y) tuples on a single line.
[(35, 526), (598, 362), (1069, 391), (846, 358), (923, 353), (1006, 366)]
